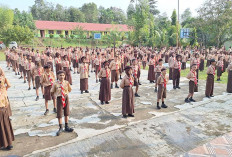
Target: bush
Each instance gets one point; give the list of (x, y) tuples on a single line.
[(61, 36), (72, 36)]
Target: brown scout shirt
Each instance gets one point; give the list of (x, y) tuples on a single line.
[(3, 91), (45, 79), (113, 65), (56, 89), (126, 81), (191, 76), (102, 73), (84, 71), (211, 70)]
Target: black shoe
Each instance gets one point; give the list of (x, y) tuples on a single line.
[(96, 81), (208, 97), (102, 102), (131, 115), (116, 86), (89, 75), (158, 107), (192, 100), (178, 87), (54, 110), (107, 102), (164, 106), (155, 89), (21, 77), (218, 80), (174, 87), (74, 73), (150, 81), (124, 116), (46, 112), (37, 98), (86, 91), (68, 129), (18, 73), (9, 147), (111, 86), (140, 83), (120, 77), (78, 73), (29, 88), (34, 88), (91, 71), (136, 95), (59, 132), (43, 96), (81, 92), (70, 69), (186, 100), (211, 96), (24, 81)]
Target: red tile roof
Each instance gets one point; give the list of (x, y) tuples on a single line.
[(58, 25)]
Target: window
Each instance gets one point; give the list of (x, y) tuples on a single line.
[(58, 32), (105, 33), (50, 32)]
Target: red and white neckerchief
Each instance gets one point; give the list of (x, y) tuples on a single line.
[(165, 81), (213, 70), (131, 81), (107, 74), (179, 65), (39, 72), (100, 64), (67, 63), (62, 94), (135, 71), (58, 60), (222, 65), (198, 63), (38, 55), (195, 76), (174, 59), (84, 69), (50, 79), (116, 66), (76, 58)]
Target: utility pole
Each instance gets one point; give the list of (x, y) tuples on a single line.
[(177, 37)]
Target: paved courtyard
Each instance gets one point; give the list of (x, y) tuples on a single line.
[(181, 130)]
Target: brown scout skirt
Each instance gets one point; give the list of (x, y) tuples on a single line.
[(24, 72), (183, 66), (201, 66), (209, 85), (37, 82), (60, 107), (68, 76), (114, 76), (84, 84), (58, 67), (47, 93), (128, 101), (151, 73), (157, 75), (29, 76), (42, 62), (162, 92), (229, 82), (20, 68), (6, 131), (170, 73), (105, 90), (219, 71), (191, 87)]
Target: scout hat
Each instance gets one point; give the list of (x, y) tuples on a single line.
[(127, 68), (47, 66), (212, 60), (105, 63), (163, 69), (83, 58)]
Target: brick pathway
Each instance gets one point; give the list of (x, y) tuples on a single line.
[(219, 147)]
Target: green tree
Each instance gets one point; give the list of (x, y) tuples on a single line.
[(23, 19), (91, 12), (76, 15), (153, 7), (174, 17), (6, 17)]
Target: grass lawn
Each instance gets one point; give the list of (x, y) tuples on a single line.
[(2, 56)]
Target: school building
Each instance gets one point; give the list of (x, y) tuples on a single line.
[(44, 28)]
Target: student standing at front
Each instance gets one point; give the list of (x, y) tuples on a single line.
[(60, 90), (162, 88)]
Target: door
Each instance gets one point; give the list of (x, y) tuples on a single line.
[(66, 33), (42, 34)]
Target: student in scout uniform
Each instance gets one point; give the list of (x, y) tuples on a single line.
[(6, 131), (151, 72), (24, 63), (139, 70), (158, 72), (37, 57), (121, 70), (29, 66), (20, 61), (128, 93), (229, 82), (47, 81), (114, 67), (97, 63), (220, 68), (65, 65), (162, 88), (144, 62), (58, 63), (60, 90), (37, 73), (105, 90), (184, 60), (49, 60), (176, 66), (171, 61), (192, 76), (210, 79), (75, 61), (84, 68), (135, 70), (43, 58), (15, 64)]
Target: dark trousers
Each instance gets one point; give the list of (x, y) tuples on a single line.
[(176, 77)]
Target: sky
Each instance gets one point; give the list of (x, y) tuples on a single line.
[(163, 5)]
